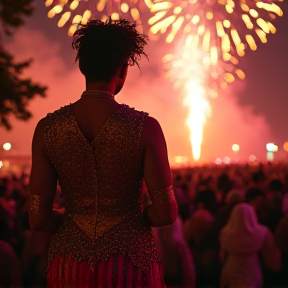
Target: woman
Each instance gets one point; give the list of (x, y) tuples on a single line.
[(242, 241), (100, 151)]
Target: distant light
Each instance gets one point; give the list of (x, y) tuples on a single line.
[(226, 160), (1, 164), (180, 159), (218, 161), (252, 158), (271, 147), (235, 147), (7, 146), (270, 156), (286, 146), (115, 16)]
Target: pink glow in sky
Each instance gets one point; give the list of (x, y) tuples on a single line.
[(229, 123)]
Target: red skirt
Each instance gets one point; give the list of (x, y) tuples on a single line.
[(65, 271)]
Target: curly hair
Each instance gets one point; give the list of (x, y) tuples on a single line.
[(103, 47)]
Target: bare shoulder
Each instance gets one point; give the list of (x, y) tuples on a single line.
[(38, 137), (151, 122), (152, 128), (41, 124), (40, 127)]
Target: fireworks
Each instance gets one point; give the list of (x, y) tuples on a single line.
[(181, 67), (216, 32), (187, 70), (190, 70), (224, 27), (77, 12)]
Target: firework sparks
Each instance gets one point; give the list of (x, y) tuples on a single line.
[(223, 26), (181, 65), (190, 69), (77, 12), (187, 71)]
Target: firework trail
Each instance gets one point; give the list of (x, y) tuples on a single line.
[(187, 70)]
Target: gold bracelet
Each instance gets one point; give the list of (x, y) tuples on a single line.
[(162, 196), (40, 203)]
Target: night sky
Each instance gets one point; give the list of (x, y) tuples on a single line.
[(250, 112)]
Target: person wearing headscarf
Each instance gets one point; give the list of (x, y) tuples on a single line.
[(242, 240)]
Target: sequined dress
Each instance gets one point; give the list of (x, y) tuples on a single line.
[(103, 240)]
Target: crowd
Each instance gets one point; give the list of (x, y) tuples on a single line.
[(231, 230)]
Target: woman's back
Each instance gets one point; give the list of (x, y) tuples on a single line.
[(91, 114), (101, 182)]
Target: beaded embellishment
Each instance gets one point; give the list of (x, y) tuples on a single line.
[(163, 196), (39, 203)]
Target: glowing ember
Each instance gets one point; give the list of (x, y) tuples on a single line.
[(77, 12), (223, 26)]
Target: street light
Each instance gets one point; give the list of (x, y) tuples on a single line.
[(271, 148), (235, 147), (7, 146), (285, 146)]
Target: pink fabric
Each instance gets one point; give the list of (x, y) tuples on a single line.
[(243, 233), (67, 272)]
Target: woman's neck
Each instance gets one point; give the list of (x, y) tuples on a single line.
[(101, 86)]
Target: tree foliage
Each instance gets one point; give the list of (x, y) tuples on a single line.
[(15, 91)]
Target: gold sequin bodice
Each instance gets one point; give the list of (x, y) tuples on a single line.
[(101, 182)]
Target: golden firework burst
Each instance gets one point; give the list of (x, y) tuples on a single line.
[(182, 64), (224, 27), (75, 12)]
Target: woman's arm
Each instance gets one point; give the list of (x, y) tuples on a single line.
[(157, 175), (43, 183)]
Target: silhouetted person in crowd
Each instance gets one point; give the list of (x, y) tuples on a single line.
[(259, 179), (281, 237), (177, 259), (185, 206), (10, 271), (195, 228), (255, 197), (273, 204), (224, 185)]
